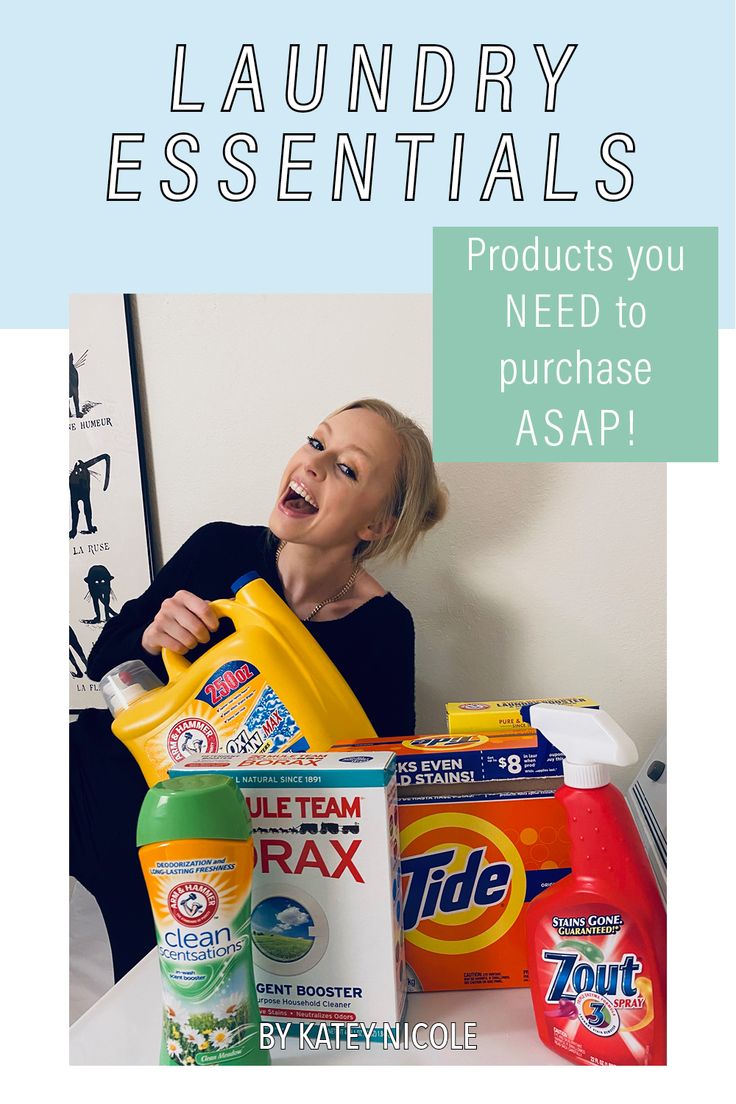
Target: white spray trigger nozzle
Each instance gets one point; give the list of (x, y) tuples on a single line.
[(589, 739)]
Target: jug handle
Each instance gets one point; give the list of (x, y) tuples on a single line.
[(176, 664)]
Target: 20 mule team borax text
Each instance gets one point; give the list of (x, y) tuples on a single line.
[(368, 83)]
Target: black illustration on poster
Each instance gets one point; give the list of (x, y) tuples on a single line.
[(79, 490), (75, 646), (98, 580), (74, 367), (101, 364)]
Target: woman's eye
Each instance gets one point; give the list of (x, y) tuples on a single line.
[(348, 471), (315, 444)]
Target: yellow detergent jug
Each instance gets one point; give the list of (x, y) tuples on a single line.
[(268, 687)]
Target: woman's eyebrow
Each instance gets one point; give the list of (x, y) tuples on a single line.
[(355, 448)]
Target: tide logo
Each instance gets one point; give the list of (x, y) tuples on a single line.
[(464, 883)]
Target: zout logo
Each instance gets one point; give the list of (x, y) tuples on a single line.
[(464, 883), (575, 976)]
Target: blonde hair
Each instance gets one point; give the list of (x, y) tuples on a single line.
[(418, 499)]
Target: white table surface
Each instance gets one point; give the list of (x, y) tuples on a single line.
[(124, 1027)]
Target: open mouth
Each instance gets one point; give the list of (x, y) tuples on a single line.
[(297, 501)]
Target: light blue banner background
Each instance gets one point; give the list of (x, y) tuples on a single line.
[(75, 73)]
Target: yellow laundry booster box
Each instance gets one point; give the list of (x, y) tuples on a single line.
[(500, 716)]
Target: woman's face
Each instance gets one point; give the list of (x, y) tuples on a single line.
[(334, 489)]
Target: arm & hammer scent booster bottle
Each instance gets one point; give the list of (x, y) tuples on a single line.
[(267, 687), (196, 851), (597, 939)]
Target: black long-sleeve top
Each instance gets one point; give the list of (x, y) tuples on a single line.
[(373, 647)]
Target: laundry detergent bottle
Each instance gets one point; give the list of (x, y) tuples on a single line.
[(267, 687), (597, 939), (196, 851)]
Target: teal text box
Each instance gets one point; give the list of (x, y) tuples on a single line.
[(575, 344)]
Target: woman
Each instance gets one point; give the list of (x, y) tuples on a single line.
[(363, 484)]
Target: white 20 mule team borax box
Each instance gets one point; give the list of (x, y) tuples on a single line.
[(326, 907)]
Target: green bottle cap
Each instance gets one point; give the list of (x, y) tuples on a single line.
[(197, 806)]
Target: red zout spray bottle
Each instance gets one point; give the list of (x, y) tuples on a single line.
[(597, 939)]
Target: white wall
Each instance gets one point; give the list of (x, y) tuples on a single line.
[(545, 579)]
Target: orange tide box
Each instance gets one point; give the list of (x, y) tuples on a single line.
[(481, 836)]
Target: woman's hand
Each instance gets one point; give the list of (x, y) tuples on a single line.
[(182, 622)]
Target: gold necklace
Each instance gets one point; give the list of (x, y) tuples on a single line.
[(335, 597)]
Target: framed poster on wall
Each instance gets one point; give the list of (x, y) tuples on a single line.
[(109, 520)]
